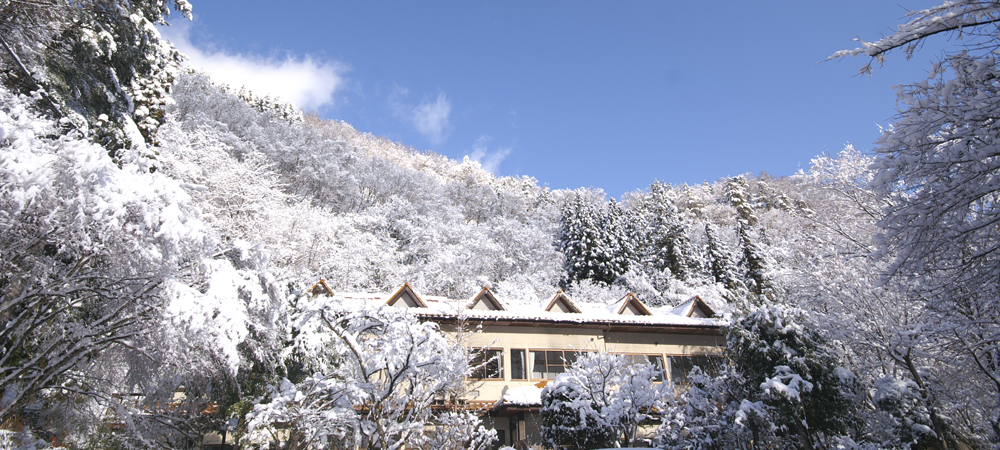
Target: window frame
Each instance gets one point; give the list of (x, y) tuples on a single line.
[(566, 363), (648, 356), (481, 354), (524, 364), (685, 371)]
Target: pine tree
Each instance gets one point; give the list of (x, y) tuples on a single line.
[(720, 262), (783, 388), (737, 192), (597, 245), (753, 261), (754, 264), (664, 244), (566, 424), (580, 239), (620, 225), (791, 370)]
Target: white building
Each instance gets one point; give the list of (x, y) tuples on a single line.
[(526, 345)]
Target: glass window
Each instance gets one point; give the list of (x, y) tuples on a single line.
[(547, 364), (517, 366), (537, 365), (681, 366), (657, 362), (487, 364)]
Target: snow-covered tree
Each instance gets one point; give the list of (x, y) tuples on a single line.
[(100, 64), (665, 245), (754, 261), (109, 288), (570, 419), (602, 398), (591, 240), (937, 174), (720, 262), (784, 388), (374, 376)]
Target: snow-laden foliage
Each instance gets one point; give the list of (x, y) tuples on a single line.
[(936, 173), (108, 287), (601, 400), (101, 65), (377, 378), (783, 388), (121, 286), (965, 18), (326, 208)]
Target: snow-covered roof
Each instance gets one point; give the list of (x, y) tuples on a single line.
[(521, 396), (485, 300), (694, 307), (406, 297), (561, 303), (321, 288), (627, 311), (629, 305)]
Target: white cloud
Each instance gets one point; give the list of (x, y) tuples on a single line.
[(489, 161), (305, 82), (430, 118)]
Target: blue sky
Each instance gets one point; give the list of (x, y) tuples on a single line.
[(574, 93)]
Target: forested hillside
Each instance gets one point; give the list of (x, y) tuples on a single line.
[(158, 232)]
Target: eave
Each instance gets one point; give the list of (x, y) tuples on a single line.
[(609, 325)]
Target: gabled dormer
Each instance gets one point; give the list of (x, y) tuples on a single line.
[(630, 305), (321, 288), (406, 297), (694, 307), (561, 303), (485, 301)]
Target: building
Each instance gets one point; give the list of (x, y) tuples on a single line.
[(521, 347)]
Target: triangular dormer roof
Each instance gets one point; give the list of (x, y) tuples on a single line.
[(486, 301), (406, 297), (562, 303), (321, 288), (694, 307), (629, 305)]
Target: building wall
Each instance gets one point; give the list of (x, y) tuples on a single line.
[(575, 338)]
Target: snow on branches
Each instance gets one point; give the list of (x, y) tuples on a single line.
[(378, 378), (601, 400)]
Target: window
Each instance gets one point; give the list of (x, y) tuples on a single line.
[(680, 367), (655, 360), (518, 366), (487, 364), (547, 364)]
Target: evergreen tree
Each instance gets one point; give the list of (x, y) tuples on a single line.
[(754, 264), (737, 193), (784, 388), (597, 245), (668, 247), (790, 369), (580, 240), (620, 225), (720, 262), (99, 64), (664, 242), (772, 199), (571, 420), (753, 261)]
